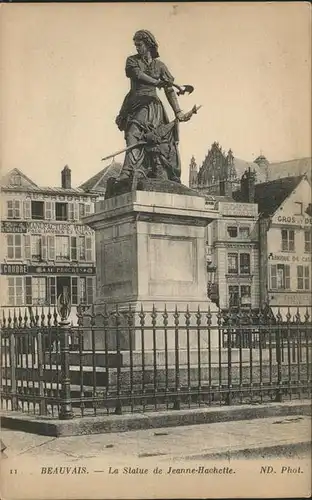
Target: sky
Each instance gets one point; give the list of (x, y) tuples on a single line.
[(63, 80)]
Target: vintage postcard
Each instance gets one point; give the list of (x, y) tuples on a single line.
[(156, 236)]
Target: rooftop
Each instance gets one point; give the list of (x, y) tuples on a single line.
[(16, 180), (98, 182), (290, 168), (270, 195), (45, 189)]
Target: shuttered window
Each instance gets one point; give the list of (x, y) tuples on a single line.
[(51, 290), (44, 247), (27, 209), (27, 246), (280, 277), (233, 296), (73, 248), (76, 211), (62, 211), (232, 263), (62, 251), (86, 290), (49, 210), (244, 263), (39, 291), (88, 208), (274, 277), (82, 210), (307, 241), (36, 250), (15, 291), (81, 248), (74, 291), (51, 248), (73, 211), (90, 284), (14, 246), (89, 252), (288, 240), (303, 277), (28, 291), (14, 209)]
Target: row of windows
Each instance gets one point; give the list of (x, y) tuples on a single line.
[(280, 277), (238, 232), (288, 240), (43, 248), (238, 263), (47, 210), (43, 291)]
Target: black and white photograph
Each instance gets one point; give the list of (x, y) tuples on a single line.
[(156, 237)]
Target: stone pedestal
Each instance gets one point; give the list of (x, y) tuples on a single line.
[(150, 252)]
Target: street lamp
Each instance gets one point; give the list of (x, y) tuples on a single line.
[(212, 287)]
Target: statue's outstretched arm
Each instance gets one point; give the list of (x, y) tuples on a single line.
[(173, 101)]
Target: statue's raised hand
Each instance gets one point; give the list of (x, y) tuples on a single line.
[(185, 117)]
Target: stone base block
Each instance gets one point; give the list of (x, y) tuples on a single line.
[(150, 263)]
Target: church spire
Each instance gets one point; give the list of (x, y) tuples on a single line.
[(193, 172)]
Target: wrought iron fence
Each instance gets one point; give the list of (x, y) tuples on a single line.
[(124, 360)]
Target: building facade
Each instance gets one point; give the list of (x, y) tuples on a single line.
[(45, 246), (285, 228), (233, 252)]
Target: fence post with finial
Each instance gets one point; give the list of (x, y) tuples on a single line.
[(64, 308), (177, 400), (278, 341), (40, 359), (13, 363)]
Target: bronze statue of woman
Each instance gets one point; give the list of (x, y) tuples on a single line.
[(143, 118)]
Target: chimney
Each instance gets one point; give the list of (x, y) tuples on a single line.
[(248, 186), (225, 187), (66, 177)]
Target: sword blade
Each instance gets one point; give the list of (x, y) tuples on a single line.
[(124, 150)]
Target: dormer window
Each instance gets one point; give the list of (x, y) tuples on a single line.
[(15, 180)]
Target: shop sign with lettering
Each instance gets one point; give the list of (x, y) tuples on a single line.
[(238, 209), (290, 258), (290, 299), (8, 226), (57, 197), (64, 229), (17, 269), (293, 220), (13, 269), (81, 270)]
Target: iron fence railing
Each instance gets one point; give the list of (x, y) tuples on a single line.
[(124, 360)]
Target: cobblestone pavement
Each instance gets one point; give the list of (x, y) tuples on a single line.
[(227, 439)]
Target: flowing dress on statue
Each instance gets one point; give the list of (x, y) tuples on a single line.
[(142, 116)]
